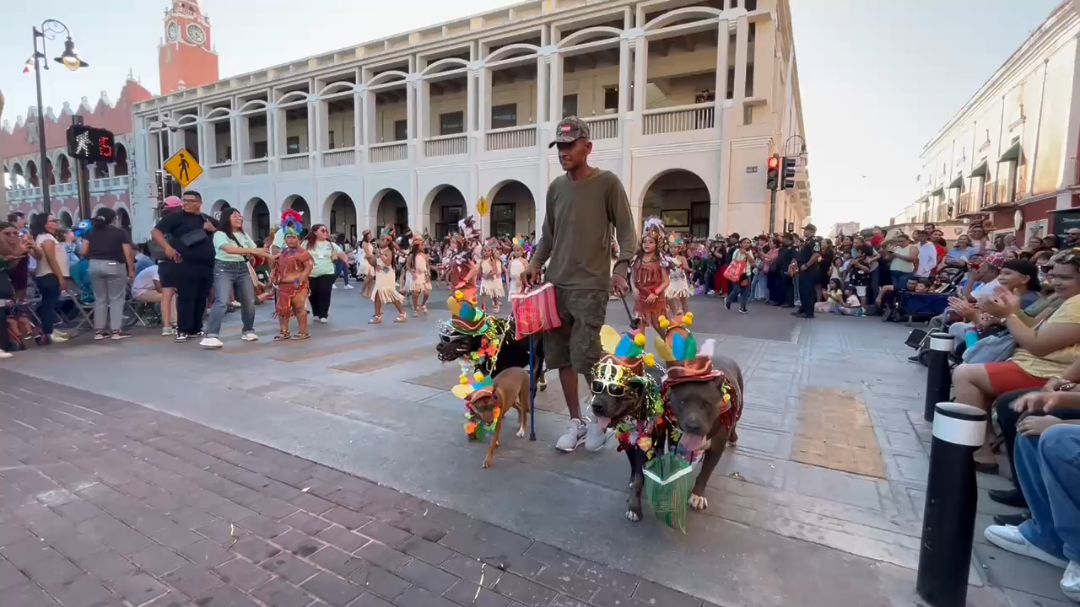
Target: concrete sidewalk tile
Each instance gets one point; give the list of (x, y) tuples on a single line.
[(383, 555), (192, 580), (205, 553), (12, 532), (466, 593), (289, 567), (158, 560), (220, 531), (425, 550), (341, 563), (305, 522), (567, 583), (106, 565), (332, 589), (298, 542), (263, 526), (279, 593), (170, 599), (418, 524), (255, 549), (524, 591), (379, 581), (27, 551), (225, 596), (342, 538), (82, 591), (472, 570), (28, 594), (369, 600), (242, 574), (346, 517), (77, 546), (311, 504), (136, 588), (10, 575), (553, 557), (609, 578), (427, 576), (387, 534), (653, 593)]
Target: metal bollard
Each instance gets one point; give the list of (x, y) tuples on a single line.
[(951, 496), (938, 377)]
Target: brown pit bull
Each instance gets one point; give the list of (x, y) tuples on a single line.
[(509, 389)]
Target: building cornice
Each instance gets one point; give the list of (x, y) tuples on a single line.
[(1062, 24)]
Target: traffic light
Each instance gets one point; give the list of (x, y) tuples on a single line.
[(787, 180), (90, 144), (773, 176)]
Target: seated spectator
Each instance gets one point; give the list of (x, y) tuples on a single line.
[(1019, 276), (1044, 348), (1046, 457), (143, 259), (960, 252), (834, 298), (889, 299), (147, 286)]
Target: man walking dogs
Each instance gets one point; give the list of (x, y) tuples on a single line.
[(583, 206)]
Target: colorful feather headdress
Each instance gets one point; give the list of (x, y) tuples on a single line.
[(624, 360), (471, 388), (675, 239), (468, 228), (686, 360), (655, 225), (466, 317), (292, 223)]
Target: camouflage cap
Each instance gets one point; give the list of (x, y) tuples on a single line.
[(569, 130)]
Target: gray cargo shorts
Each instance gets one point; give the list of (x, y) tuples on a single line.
[(577, 342)]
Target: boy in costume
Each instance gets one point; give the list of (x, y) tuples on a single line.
[(292, 267)]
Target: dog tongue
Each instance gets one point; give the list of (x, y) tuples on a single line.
[(692, 442), (602, 422)]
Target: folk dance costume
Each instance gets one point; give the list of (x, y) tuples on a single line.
[(385, 283), (679, 288), (517, 266), (492, 285), (421, 275), (290, 278)]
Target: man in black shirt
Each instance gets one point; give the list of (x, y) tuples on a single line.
[(807, 260), (189, 245), (784, 295)]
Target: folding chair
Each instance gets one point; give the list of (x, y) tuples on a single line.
[(140, 313)]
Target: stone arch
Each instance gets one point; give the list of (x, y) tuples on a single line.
[(16, 175), (32, 174), (513, 209), (218, 206), (257, 219), (297, 203), (120, 167), (443, 208), (64, 217), (65, 168), (681, 198), (340, 216), (389, 206), (48, 174)]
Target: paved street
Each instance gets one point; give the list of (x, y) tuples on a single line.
[(335, 471)]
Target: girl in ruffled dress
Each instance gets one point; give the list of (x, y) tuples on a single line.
[(491, 286), (515, 269), (418, 280), (365, 271), (385, 290), (678, 292)]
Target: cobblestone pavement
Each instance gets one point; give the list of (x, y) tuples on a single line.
[(790, 521)]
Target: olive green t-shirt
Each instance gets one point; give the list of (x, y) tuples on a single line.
[(577, 231)]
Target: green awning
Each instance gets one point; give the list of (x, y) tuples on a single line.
[(957, 183), (1013, 154), (983, 170), (938, 192)]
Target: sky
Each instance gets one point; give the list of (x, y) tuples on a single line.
[(879, 79)]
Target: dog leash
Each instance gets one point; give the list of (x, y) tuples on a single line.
[(635, 322)]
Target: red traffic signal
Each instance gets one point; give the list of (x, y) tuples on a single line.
[(774, 162), (772, 176)]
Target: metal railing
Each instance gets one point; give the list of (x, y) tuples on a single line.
[(256, 167), (511, 138), (339, 158), (965, 206), (695, 117), (389, 152), (603, 127), (221, 171), (446, 145)]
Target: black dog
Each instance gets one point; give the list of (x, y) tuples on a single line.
[(512, 352)]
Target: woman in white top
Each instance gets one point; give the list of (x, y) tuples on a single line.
[(50, 276)]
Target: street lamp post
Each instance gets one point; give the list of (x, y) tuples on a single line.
[(69, 59)]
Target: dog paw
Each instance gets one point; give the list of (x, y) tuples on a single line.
[(520, 433), (541, 386), (633, 516), (487, 463), (698, 502)]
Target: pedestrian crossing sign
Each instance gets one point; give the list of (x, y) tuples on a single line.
[(183, 167)]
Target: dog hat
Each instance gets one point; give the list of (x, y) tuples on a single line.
[(686, 361), (466, 317), (626, 350), (470, 390)]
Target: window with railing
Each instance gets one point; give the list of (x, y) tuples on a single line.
[(452, 123), (569, 105), (504, 116), (401, 130)]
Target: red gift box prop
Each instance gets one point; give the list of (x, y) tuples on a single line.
[(535, 311)]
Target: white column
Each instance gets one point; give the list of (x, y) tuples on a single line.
[(314, 126), (742, 35), (555, 83), (542, 92), (200, 131), (234, 136), (472, 93), (358, 117), (641, 80), (423, 111), (483, 113), (625, 76), (410, 111), (720, 93)]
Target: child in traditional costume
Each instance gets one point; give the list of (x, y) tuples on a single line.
[(492, 270), (462, 272), (516, 267), (418, 282), (385, 291), (366, 271), (292, 267), (650, 272), (678, 292)]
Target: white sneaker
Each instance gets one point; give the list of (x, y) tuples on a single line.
[(168, 331), (1009, 538), (333, 286), (249, 337), (323, 321), (348, 287), (211, 343), (1070, 582), (4, 354), (58, 337), (595, 438), (574, 436)]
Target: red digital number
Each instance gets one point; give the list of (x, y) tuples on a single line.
[(104, 148)]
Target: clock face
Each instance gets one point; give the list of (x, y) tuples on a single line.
[(196, 34), (173, 31)]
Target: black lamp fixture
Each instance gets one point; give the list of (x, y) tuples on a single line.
[(70, 57)]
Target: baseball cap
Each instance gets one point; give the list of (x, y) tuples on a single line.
[(569, 130), (173, 202)]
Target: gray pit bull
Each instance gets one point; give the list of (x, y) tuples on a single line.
[(697, 405)]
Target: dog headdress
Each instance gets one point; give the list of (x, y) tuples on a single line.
[(686, 359), (292, 224), (471, 390), (466, 317), (624, 357)]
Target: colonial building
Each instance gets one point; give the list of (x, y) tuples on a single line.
[(110, 183), (1011, 151), (685, 100)]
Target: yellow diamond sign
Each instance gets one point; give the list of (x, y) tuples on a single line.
[(183, 167), (482, 207)]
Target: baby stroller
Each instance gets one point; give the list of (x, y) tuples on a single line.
[(947, 280)]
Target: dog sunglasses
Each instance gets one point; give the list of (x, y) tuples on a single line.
[(610, 378)]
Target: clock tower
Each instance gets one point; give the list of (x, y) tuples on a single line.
[(186, 58)]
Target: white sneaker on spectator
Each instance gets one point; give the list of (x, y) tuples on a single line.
[(333, 286), (348, 286), (1009, 538), (574, 436), (212, 343), (167, 331), (4, 354), (1070, 582), (58, 337), (250, 337), (323, 320)]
